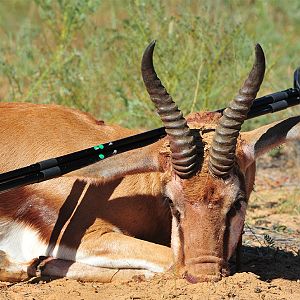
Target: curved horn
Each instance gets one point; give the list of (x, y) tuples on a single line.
[(182, 144), (222, 151)]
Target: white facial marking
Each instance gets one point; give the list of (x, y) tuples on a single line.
[(232, 188), (175, 239)]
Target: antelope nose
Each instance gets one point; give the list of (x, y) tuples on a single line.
[(204, 268), (201, 278)]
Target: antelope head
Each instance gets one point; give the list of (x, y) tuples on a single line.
[(208, 174)]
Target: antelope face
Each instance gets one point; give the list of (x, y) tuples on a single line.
[(208, 218), (206, 182)]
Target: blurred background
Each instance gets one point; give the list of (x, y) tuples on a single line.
[(86, 53)]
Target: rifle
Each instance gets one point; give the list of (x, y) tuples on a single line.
[(276, 101), (55, 167)]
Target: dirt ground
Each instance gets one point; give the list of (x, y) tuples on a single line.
[(270, 254)]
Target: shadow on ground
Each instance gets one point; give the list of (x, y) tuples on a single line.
[(270, 263)]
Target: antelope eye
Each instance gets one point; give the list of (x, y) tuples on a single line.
[(177, 215), (237, 205), (169, 201), (174, 210)]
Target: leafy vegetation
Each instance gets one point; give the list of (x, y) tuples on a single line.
[(86, 53)]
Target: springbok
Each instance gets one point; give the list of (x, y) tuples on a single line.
[(178, 204)]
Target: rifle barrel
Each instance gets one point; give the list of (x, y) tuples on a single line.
[(273, 107), (263, 102)]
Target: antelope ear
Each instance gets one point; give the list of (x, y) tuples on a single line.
[(261, 140)]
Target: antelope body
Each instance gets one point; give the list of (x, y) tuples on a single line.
[(178, 204)]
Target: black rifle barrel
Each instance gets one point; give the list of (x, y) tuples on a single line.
[(262, 102), (61, 165), (273, 107)]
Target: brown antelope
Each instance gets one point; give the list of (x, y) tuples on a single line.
[(178, 204)]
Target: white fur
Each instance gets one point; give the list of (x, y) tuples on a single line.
[(175, 239), (105, 262), (19, 241), (22, 244)]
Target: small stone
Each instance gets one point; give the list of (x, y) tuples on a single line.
[(231, 295), (257, 290)]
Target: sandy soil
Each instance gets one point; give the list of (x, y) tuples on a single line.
[(244, 285), (270, 255)]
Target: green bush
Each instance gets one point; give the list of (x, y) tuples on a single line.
[(86, 54)]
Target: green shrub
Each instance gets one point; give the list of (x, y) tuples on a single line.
[(86, 54)]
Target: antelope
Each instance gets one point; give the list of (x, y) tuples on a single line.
[(176, 205)]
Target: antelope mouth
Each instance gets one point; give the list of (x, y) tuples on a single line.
[(205, 268)]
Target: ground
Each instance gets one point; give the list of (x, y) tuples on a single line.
[(270, 254)]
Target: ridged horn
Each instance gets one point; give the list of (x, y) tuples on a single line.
[(182, 144), (222, 151)]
